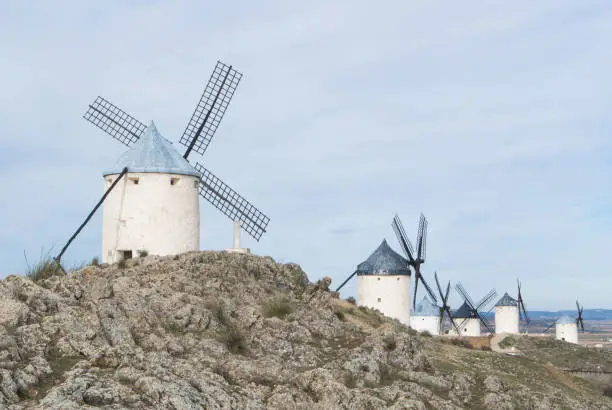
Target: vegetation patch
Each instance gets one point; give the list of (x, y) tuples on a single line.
[(278, 307), (45, 268), (235, 340)]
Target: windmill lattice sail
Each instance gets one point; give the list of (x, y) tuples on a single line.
[(232, 204), (210, 109), (114, 121)]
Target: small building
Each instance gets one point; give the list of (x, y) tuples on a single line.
[(466, 321), (155, 208), (383, 283), (426, 317), (507, 315), (566, 329)]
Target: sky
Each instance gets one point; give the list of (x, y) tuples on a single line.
[(491, 118)]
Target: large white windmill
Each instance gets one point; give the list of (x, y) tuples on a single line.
[(151, 197)]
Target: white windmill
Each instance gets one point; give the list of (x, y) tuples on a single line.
[(152, 192), (426, 317)]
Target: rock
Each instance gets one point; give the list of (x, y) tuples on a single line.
[(200, 330)]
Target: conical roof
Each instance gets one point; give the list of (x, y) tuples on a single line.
[(507, 300), (565, 320), (384, 261), (152, 153), (426, 308), (463, 312)]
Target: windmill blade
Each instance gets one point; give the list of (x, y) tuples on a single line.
[(549, 327), (484, 322), (346, 281), (114, 121), (450, 316), (402, 238), (427, 287), (232, 204), (439, 288), (524, 311), (422, 239), (210, 109), (486, 299), (459, 287)]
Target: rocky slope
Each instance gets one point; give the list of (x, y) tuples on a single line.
[(218, 330)]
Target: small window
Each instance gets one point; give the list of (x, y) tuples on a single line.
[(379, 278), (196, 184), (398, 278), (174, 181), (133, 180), (125, 254), (379, 299)]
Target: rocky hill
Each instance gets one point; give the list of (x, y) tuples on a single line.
[(217, 330)]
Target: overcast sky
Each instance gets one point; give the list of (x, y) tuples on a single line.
[(492, 118)]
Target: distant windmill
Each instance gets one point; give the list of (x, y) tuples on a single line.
[(579, 321), (151, 154), (445, 308), (415, 260), (566, 327), (469, 312)]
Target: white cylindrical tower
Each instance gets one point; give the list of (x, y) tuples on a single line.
[(507, 315), (426, 317), (154, 209), (383, 283), (566, 329), (464, 319)]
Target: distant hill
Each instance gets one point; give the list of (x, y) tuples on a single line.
[(587, 314)]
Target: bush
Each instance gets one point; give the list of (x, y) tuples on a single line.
[(351, 300), (426, 333), (235, 340), (95, 261), (122, 264), (45, 268), (278, 307), (485, 348), (608, 391), (462, 342), (350, 380), (390, 343)]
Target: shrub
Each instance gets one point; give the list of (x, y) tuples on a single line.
[(390, 343), (122, 264), (278, 307), (426, 333), (608, 391), (95, 261), (351, 300), (462, 342), (485, 348), (45, 268), (350, 380), (235, 340)]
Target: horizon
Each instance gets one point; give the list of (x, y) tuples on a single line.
[(491, 119)]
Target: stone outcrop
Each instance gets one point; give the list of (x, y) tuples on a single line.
[(221, 330)]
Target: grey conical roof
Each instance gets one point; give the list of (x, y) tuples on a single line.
[(153, 153), (384, 261), (426, 308), (507, 300), (463, 312)]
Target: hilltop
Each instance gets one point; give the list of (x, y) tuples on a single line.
[(219, 330)]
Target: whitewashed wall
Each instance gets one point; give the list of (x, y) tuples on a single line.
[(388, 293), (153, 215), (507, 319)]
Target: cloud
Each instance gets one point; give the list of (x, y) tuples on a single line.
[(490, 118)]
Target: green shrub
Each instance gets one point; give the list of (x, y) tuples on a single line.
[(462, 342), (122, 264), (351, 300), (278, 307), (95, 261), (426, 333), (350, 380)]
